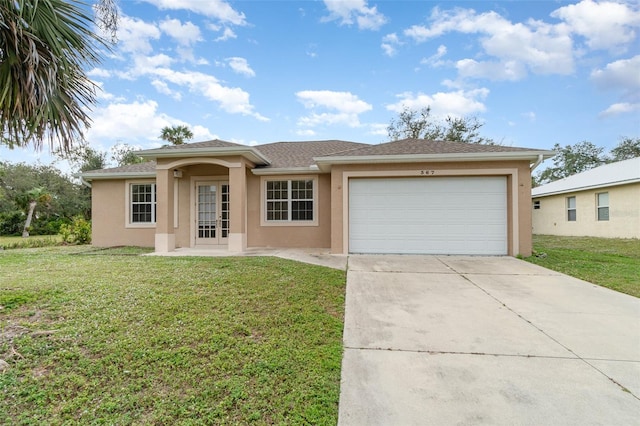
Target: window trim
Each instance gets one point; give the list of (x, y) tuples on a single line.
[(598, 207), (536, 204), (289, 222), (127, 212), (569, 209)]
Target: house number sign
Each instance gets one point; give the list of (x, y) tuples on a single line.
[(427, 172)]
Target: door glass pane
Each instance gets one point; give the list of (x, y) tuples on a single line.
[(224, 211), (206, 211)]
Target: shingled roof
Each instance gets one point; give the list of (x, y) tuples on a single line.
[(308, 154), (421, 146), (301, 154)]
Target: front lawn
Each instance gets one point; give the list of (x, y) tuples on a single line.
[(610, 262), (112, 337)]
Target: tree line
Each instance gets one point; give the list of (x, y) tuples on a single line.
[(39, 199), (569, 159)]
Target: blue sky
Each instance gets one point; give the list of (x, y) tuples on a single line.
[(252, 72)]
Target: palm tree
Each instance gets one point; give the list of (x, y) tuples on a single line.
[(34, 196), (176, 134), (45, 47)]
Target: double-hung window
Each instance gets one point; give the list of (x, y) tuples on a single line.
[(603, 205), (142, 203), (571, 209), (289, 200)]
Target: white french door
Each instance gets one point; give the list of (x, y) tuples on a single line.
[(211, 213)]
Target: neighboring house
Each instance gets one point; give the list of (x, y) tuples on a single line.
[(601, 202), (407, 196)]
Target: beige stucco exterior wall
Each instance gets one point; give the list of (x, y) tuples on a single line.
[(318, 236), (108, 211), (109, 205), (624, 214), (518, 211)]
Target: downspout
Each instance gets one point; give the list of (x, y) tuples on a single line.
[(84, 182), (537, 163)]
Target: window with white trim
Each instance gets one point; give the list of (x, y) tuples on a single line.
[(571, 209), (289, 200), (142, 203), (536, 205), (602, 203)]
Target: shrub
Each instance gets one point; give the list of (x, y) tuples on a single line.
[(11, 223), (78, 232), (48, 225)]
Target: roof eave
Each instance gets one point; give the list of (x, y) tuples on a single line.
[(585, 188), (250, 154), (325, 163), (313, 169), (116, 175)]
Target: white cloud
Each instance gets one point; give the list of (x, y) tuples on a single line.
[(435, 60), (605, 25), (163, 88), (458, 103), (620, 108), (99, 72), (134, 35), (201, 133), (185, 34), (390, 42), (226, 35), (537, 46), (127, 121), (241, 66), (624, 74), (530, 115), (344, 106), (341, 101), (507, 70), (144, 65), (231, 99), (350, 11), (217, 9)]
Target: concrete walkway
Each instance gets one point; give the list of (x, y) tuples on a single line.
[(441, 340), (312, 256)]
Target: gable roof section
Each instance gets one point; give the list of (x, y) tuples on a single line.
[(419, 150), (613, 174), (210, 148), (294, 156), (131, 171)]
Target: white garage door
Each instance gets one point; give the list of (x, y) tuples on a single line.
[(434, 215)]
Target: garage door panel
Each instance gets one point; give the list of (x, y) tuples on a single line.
[(456, 215)]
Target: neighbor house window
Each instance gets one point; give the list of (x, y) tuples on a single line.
[(571, 209), (536, 205), (603, 205), (289, 200), (142, 199)]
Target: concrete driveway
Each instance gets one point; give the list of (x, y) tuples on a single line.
[(485, 340)]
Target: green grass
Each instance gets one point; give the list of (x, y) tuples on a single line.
[(100, 336), (30, 242), (609, 262)]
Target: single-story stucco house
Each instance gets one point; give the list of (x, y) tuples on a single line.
[(601, 202), (407, 196)]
